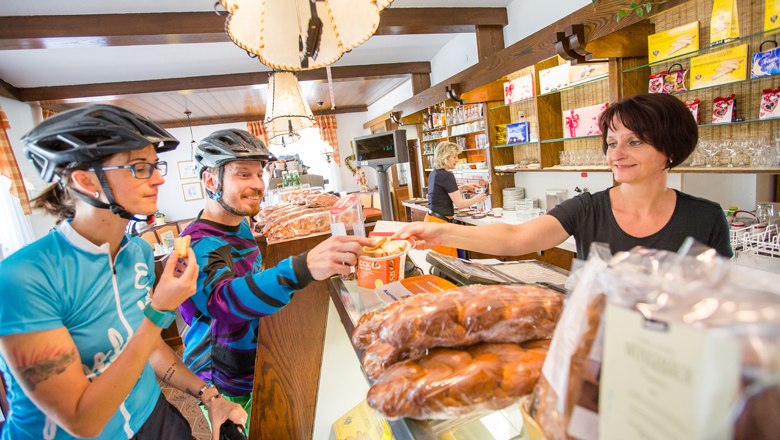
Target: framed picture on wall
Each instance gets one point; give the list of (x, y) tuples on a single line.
[(186, 170), (192, 191)]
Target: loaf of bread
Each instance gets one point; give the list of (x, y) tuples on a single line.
[(462, 317), (312, 222), (323, 200), (448, 383)]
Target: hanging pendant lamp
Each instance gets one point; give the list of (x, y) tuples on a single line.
[(287, 111), (298, 35)]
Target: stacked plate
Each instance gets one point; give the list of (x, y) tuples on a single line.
[(512, 196)]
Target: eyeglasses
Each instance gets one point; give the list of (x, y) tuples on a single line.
[(141, 170)]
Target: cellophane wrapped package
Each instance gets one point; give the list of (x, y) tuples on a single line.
[(696, 291), (443, 355)]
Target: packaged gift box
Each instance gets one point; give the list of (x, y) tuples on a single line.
[(673, 42), (769, 104), (724, 109), (517, 133), (693, 106), (765, 63), (723, 66), (554, 78), (587, 72), (519, 89), (583, 121)]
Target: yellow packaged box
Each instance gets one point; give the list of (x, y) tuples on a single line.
[(724, 22), (721, 67), (362, 423), (771, 15), (673, 42)]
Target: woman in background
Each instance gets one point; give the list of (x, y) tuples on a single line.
[(643, 137), (444, 195)]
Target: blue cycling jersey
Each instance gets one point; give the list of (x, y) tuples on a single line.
[(63, 280)]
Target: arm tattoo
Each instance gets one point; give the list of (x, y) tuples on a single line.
[(36, 367), (169, 373)]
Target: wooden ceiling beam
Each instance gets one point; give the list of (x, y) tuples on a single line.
[(9, 91), (599, 21), (370, 71), (50, 31), (246, 117)]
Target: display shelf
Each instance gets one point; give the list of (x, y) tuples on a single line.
[(679, 170), (732, 83), (520, 144), (548, 141), (706, 50), (746, 121), (726, 170), (574, 86), (465, 122), (512, 103), (475, 149), (437, 139), (466, 134), (435, 129)]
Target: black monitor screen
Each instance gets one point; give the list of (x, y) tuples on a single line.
[(379, 147)]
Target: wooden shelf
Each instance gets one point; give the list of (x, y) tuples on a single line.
[(678, 170), (466, 134), (574, 86), (548, 141), (516, 145)]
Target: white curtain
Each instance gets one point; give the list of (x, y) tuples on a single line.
[(15, 226)]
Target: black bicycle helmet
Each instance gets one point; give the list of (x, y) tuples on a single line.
[(224, 146), (88, 135), (91, 134)]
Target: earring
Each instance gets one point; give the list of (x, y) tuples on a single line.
[(97, 194)]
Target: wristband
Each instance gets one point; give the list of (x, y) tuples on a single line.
[(158, 318), (205, 403), (204, 388)]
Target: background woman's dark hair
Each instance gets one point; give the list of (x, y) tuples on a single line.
[(661, 120)]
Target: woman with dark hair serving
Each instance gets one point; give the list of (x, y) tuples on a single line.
[(80, 324), (643, 137)]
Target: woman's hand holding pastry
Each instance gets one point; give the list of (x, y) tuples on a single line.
[(173, 289)]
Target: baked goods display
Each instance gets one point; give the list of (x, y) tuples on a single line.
[(408, 349), (304, 212), (449, 383), (323, 200), (464, 316)]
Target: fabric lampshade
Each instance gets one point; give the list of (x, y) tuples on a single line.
[(287, 111), (278, 31)]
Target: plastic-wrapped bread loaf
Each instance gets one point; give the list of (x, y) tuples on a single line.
[(317, 220), (283, 221), (323, 200), (449, 383), (464, 316)]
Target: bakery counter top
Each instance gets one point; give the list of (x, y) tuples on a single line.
[(568, 245), (417, 206)]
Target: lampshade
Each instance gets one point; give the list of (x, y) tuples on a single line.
[(287, 112), (281, 32)]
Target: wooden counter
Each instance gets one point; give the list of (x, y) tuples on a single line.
[(289, 354)]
